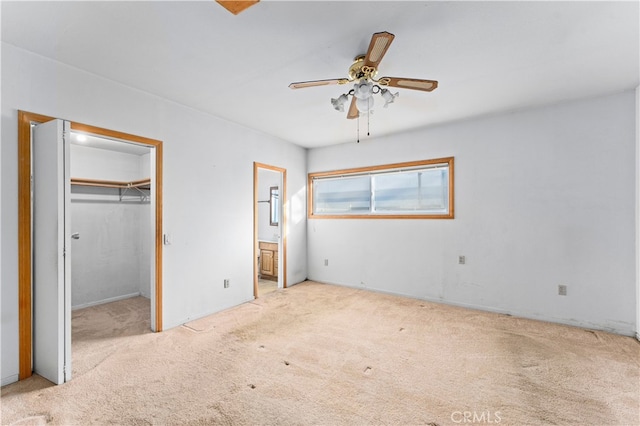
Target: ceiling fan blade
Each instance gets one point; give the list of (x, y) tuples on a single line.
[(409, 83), (353, 110), (236, 7), (303, 84), (380, 42)]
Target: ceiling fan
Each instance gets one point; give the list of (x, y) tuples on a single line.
[(363, 72)]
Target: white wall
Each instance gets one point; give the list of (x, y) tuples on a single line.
[(13, 377), (146, 233), (208, 186), (94, 163), (542, 197), (266, 179), (112, 256)]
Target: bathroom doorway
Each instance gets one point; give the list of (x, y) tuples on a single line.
[(269, 224)]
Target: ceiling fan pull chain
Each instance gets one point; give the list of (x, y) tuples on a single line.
[(358, 120), (368, 115)]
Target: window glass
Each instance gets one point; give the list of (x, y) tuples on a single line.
[(415, 191), (343, 195)]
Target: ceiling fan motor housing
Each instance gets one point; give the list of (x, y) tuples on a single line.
[(357, 70)]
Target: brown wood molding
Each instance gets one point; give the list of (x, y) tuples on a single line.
[(25, 312), (159, 210)]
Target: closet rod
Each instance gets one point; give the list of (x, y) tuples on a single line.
[(110, 183)]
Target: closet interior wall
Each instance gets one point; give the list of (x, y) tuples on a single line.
[(110, 259)]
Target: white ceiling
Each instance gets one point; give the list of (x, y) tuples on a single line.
[(93, 141), (488, 57)]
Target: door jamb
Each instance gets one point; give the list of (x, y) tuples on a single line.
[(25, 311), (283, 229)]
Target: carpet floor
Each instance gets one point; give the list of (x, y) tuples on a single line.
[(330, 355)]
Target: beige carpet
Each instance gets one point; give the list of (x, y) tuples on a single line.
[(100, 331), (320, 354)]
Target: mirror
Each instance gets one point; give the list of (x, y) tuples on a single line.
[(274, 205)]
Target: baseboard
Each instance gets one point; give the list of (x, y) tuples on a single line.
[(169, 325), (532, 316), (9, 379), (103, 301), (525, 315)]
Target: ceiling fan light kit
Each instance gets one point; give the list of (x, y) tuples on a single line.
[(363, 72), (338, 104), (388, 96)]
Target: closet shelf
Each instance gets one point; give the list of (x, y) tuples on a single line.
[(137, 186)]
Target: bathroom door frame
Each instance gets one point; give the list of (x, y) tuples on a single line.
[(25, 293), (282, 246)]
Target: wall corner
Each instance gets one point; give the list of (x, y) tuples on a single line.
[(637, 254)]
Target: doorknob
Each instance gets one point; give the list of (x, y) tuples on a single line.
[(75, 235)]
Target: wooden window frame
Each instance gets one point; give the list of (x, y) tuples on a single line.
[(380, 168)]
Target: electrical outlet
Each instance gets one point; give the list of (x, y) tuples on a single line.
[(326, 262), (562, 290), (461, 260), (226, 283)]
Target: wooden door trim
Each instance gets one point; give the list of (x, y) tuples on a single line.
[(25, 311), (283, 230)]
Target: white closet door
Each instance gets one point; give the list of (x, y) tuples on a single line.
[(51, 256)]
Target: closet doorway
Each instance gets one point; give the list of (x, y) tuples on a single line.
[(111, 245), (95, 192), (269, 228)]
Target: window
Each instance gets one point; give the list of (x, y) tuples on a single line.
[(416, 190), (274, 206)]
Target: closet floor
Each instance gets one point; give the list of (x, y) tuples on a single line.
[(99, 331)]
